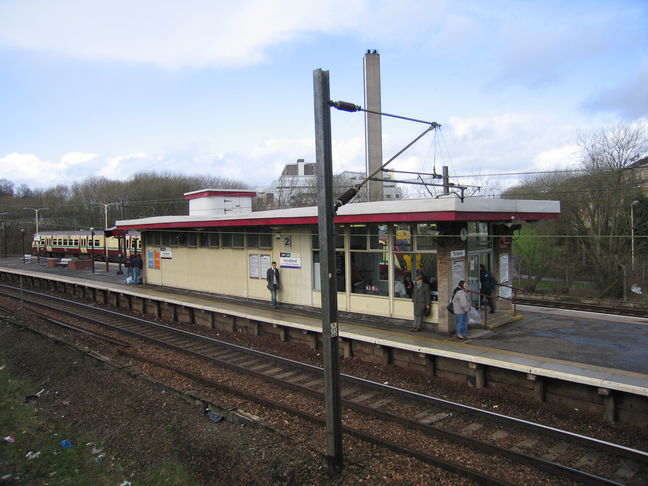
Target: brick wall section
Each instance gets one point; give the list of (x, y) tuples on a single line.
[(444, 274)]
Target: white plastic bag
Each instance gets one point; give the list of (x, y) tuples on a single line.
[(473, 317)]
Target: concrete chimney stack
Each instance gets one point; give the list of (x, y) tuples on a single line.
[(373, 123)]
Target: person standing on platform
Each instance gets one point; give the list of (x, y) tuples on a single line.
[(138, 265), (487, 285), (272, 276), (421, 299), (461, 304)]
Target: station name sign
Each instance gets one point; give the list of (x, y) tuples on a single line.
[(289, 260)]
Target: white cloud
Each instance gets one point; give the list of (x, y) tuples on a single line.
[(75, 158), (555, 158), (169, 34)]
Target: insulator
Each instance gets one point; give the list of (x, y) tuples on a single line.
[(346, 197), (345, 106)]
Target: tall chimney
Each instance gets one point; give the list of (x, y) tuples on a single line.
[(373, 123)]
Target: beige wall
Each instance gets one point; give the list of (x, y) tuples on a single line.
[(226, 271)]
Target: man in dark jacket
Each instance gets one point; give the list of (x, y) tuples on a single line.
[(421, 297), (272, 276), (487, 285)]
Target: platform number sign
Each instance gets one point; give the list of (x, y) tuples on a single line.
[(287, 241)]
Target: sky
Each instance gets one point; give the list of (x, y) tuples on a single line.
[(92, 88)]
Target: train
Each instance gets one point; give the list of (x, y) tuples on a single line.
[(100, 245)]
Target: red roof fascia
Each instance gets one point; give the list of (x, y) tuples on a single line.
[(220, 193), (355, 218)]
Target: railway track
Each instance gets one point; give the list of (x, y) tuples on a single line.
[(499, 443), (587, 307)]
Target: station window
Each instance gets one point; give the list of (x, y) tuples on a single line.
[(252, 239), (238, 239), (407, 266), (339, 271), (153, 238), (402, 237), (209, 239), (265, 239), (378, 236), (339, 237), (358, 236), (478, 235), (369, 273), (173, 238), (192, 239), (226, 239), (426, 236)]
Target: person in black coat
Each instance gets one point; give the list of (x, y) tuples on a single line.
[(272, 276), (487, 285)]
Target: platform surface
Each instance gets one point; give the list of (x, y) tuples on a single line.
[(601, 350)]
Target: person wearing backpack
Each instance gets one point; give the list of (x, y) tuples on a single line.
[(461, 306), (487, 285)]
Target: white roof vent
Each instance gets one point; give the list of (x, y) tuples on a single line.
[(219, 202)]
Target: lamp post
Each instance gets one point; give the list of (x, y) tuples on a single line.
[(22, 231), (92, 248), (106, 206), (632, 231), (37, 235)]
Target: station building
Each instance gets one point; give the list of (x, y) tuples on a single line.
[(224, 247)]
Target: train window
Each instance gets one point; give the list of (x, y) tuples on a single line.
[(97, 243), (426, 236), (378, 236), (65, 242), (192, 239), (76, 242)]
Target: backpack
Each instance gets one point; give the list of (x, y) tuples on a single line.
[(450, 308)]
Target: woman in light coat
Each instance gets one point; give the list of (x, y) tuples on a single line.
[(461, 304)]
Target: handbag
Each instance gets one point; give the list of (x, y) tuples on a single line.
[(450, 308), (427, 311)]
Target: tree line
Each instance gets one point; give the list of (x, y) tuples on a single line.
[(601, 235), (86, 204)]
